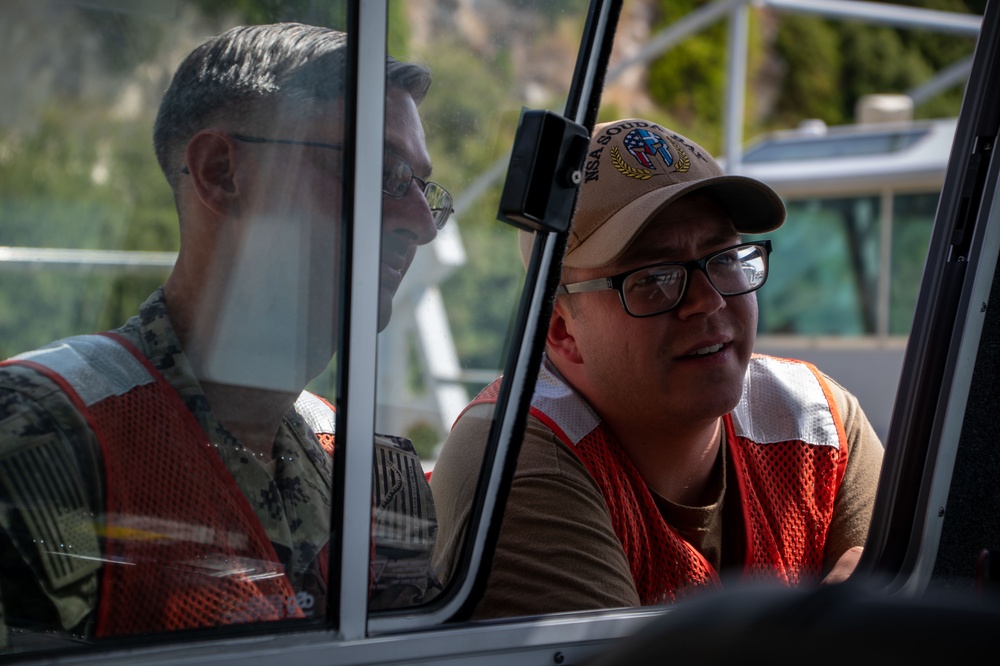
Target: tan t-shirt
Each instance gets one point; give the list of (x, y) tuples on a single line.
[(558, 550)]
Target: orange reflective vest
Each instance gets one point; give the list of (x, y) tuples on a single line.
[(788, 449), (183, 547)]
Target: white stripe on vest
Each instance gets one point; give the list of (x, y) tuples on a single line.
[(557, 400), (316, 413), (95, 366), (783, 401), (98, 367)]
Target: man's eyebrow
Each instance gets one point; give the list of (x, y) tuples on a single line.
[(726, 239), (665, 253), (395, 147)]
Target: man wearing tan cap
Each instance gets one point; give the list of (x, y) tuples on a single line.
[(661, 456)]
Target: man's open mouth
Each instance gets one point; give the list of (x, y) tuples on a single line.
[(705, 351)]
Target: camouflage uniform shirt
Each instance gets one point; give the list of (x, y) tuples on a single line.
[(51, 474)]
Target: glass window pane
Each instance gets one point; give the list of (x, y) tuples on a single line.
[(824, 269), (913, 217), (452, 313), (172, 475), (803, 149)]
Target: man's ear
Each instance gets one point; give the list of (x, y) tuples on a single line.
[(210, 158), (560, 340)]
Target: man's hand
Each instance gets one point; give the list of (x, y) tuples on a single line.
[(844, 566)]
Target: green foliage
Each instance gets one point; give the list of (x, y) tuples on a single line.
[(414, 368), (688, 81), (425, 439), (125, 38), (331, 13), (398, 36), (825, 79), (900, 68), (464, 95), (82, 180), (466, 128), (825, 66), (808, 90), (913, 218)]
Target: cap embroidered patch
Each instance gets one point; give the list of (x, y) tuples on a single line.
[(646, 147)]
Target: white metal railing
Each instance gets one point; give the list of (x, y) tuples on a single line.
[(120, 261)]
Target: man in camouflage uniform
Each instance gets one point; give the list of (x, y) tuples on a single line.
[(248, 136)]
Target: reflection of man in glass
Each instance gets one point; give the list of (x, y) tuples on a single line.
[(172, 473)]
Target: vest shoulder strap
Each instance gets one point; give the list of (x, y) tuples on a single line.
[(554, 403), (95, 367), (785, 400), (319, 415)]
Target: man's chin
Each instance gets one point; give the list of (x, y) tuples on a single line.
[(384, 313)]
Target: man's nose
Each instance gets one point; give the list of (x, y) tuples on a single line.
[(701, 297), (409, 215)]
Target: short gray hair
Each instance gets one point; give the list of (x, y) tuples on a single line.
[(231, 75)]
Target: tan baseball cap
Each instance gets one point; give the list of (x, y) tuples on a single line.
[(636, 168)]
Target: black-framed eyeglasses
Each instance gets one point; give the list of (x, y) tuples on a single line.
[(397, 174), (657, 288)]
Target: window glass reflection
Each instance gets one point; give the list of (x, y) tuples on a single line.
[(913, 217), (452, 314), (825, 283), (163, 469), (830, 279)]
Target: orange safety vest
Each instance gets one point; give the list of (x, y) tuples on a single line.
[(183, 547), (788, 449)]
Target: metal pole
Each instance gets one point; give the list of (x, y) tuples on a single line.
[(739, 27)]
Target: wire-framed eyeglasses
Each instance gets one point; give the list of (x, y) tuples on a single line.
[(658, 288), (397, 174)]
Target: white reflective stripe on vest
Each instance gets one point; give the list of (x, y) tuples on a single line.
[(95, 366), (316, 413), (558, 401), (787, 404)]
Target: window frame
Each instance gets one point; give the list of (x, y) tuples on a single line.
[(930, 408), (352, 481), (522, 365)]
